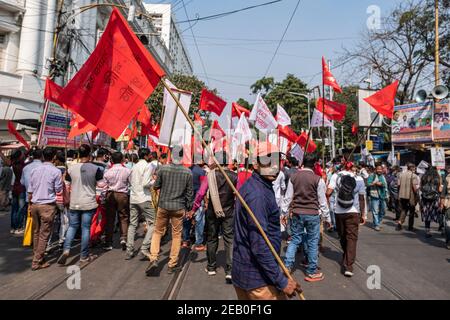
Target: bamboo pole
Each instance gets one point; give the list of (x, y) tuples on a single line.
[(235, 191), (362, 136)]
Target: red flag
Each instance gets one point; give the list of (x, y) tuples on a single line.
[(79, 125), (199, 119), (333, 110), (13, 131), (130, 145), (210, 102), (52, 92), (328, 78), (144, 118), (237, 110), (288, 133), (383, 101), (115, 80), (354, 129), (217, 132), (302, 142), (155, 130)]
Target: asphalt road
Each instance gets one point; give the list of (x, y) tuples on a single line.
[(411, 267)]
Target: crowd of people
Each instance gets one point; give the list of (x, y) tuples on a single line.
[(91, 195)]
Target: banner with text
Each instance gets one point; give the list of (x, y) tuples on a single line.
[(412, 123)]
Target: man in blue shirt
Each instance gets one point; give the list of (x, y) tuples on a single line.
[(256, 274)]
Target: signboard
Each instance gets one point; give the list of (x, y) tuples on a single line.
[(377, 142), (438, 158), (55, 127), (412, 123), (369, 145), (366, 113), (441, 121)]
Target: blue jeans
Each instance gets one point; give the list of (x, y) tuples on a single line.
[(18, 211), (377, 206), (304, 227), (199, 226), (77, 217)]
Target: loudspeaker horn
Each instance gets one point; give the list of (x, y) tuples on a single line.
[(421, 95), (439, 92)]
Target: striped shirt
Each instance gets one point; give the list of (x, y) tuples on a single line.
[(176, 189)]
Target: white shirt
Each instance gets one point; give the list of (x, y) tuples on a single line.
[(360, 189), (141, 181), (321, 196), (278, 186)]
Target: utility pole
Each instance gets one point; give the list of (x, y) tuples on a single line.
[(333, 137), (436, 48)]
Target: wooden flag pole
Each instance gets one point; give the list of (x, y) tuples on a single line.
[(235, 191), (363, 135)]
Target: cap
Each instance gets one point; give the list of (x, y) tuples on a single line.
[(348, 165), (265, 148)]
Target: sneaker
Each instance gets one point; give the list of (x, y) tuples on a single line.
[(377, 228), (200, 247), (318, 276), (210, 272), (12, 231), (123, 243), (172, 270), (151, 269), (398, 227), (19, 232), (228, 279), (107, 248), (63, 258), (130, 255), (88, 259), (348, 274), (144, 256)]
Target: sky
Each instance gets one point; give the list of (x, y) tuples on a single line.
[(231, 64)]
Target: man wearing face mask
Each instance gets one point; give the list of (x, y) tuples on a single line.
[(256, 274)]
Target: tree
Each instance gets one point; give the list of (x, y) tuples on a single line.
[(244, 103), (280, 93), (349, 97), (403, 49)]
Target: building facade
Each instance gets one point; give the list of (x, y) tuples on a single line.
[(165, 24), (27, 30)]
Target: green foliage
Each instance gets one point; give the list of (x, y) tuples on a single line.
[(349, 96), (279, 93)]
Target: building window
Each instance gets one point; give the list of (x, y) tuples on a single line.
[(3, 40)]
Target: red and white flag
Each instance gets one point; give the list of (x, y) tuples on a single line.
[(264, 120), (282, 116), (328, 78)]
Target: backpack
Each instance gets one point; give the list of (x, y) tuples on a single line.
[(429, 191), (346, 188)]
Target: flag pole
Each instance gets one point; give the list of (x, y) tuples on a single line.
[(322, 132), (362, 136), (235, 191)]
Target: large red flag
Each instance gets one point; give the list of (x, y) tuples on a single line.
[(15, 133), (237, 110), (383, 101), (333, 110), (210, 102), (288, 133), (328, 78), (115, 80), (302, 142)]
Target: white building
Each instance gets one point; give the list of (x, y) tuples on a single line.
[(26, 47), (165, 24)]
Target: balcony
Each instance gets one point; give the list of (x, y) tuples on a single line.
[(14, 6)]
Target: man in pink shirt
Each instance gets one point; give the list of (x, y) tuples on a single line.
[(117, 179)]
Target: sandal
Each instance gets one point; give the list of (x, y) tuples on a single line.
[(41, 266)]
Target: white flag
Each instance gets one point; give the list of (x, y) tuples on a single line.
[(178, 132), (283, 117), (241, 135), (297, 152), (316, 120), (224, 120), (262, 116)]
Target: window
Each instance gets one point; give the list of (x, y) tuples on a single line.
[(3, 40)]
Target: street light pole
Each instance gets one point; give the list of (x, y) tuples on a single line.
[(307, 101)]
